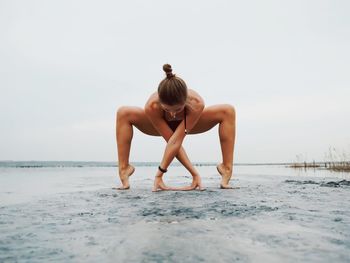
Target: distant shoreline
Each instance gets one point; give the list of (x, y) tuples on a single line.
[(79, 164)]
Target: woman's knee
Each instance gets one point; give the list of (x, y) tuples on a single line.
[(123, 112), (229, 111)]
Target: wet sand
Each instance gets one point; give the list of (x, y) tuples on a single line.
[(73, 215)]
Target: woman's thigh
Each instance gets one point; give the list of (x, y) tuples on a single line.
[(137, 117), (210, 117)]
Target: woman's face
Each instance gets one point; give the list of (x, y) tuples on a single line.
[(174, 109)]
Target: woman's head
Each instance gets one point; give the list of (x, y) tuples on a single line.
[(172, 90)]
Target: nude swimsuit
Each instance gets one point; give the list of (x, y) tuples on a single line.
[(173, 124)]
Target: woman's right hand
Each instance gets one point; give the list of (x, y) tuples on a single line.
[(196, 183), (160, 186)]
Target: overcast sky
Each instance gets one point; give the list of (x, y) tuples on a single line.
[(66, 66)]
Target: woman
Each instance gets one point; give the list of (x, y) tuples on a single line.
[(174, 112)]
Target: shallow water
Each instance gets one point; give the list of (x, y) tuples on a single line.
[(74, 215)]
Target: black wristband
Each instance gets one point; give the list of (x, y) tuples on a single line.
[(162, 170)]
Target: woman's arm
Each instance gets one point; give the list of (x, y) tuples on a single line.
[(154, 113), (175, 142), (155, 116), (174, 145)]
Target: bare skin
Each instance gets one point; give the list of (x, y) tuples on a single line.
[(151, 122), (225, 176), (160, 186), (124, 177)]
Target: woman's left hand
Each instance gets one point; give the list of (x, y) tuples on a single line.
[(159, 184)]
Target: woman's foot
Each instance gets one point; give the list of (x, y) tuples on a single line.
[(124, 175), (226, 174)]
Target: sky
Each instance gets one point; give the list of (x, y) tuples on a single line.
[(67, 66)]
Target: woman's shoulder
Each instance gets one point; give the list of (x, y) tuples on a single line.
[(194, 99), (153, 102)]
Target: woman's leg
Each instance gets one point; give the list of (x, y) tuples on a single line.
[(225, 116), (126, 118)]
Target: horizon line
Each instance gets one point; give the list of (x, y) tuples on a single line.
[(174, 163)]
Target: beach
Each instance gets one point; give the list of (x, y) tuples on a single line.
[(74, 214)]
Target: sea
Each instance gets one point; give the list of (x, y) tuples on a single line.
[(72, 212)]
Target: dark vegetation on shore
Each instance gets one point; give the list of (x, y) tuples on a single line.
[(334, 161)]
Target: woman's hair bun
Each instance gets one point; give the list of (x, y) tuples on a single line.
[(168, 70)]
